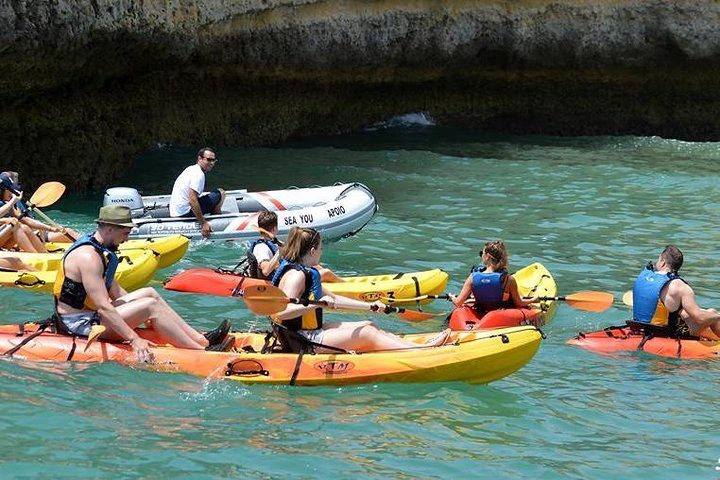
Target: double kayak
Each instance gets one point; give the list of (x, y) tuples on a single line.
[(136, 269), (336, 211), (533, 280), (169, 249), (395, 286), (473, 357), (628, 339)]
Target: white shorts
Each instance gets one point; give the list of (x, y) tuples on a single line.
[(315, 336)]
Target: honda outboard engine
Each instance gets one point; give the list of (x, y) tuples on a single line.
[(127, 196)]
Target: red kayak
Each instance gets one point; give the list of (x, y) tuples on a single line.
[(467, 318), (621, 339)]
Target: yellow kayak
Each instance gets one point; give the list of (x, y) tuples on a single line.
[(533, 280), (135, 270), (401, 285), (368, 288), (473, 357), (170, 248)]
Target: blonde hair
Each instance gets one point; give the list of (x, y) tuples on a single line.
[(299, 242), (498, 254)]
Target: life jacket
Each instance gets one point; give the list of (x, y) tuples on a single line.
[(71, 292), (311, 320), (253, 266), (489, 289), (647, 306)]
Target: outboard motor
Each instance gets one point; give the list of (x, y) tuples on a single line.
[(127, 196)]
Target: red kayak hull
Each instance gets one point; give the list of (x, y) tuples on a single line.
[(623, 340), (467, 318), (208, 281)]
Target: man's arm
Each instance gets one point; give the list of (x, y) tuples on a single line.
[(195, 207), (91, 276), (701, 317)]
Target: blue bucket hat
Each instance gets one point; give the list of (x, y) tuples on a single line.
[(6, 183)]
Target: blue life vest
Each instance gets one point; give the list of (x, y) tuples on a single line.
[(647, 306), (489, 289), (72, 292), (311, 320), (253, 268)]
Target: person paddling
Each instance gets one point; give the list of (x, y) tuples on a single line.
[(263, 255), (491, 286), (303, 326), (661, 297), (20, 235), (46, 233), (86, 293), (187, 198)]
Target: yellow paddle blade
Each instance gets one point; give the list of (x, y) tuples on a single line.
[(95, 332), (265, 299), (47, 194), (590, 301), (627, 298)]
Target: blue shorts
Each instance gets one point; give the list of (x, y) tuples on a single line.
[(208, 202), (78, 323)]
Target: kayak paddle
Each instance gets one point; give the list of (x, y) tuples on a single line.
[(268, 299), (95, 332), (627, 298), (45, 195), (588, 300)]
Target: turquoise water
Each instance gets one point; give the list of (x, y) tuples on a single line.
[(593, 210)]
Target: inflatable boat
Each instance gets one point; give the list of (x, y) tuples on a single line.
[(337, 211)]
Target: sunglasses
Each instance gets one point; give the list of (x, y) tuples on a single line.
[(211, 160)]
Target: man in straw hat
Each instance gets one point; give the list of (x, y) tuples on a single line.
[(86, 293)]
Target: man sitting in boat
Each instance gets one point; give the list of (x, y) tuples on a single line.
[(662, 298), (263, 255), (491, 286), (302, 328), (86, 293), (187, 198)]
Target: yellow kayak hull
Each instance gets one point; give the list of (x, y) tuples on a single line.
[(402, 285), (473, 357), (170, 249), (136, 269), (536, 280)]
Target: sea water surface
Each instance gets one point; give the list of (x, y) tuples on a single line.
[(593, 210)]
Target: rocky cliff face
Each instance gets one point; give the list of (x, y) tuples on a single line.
[(85, 84)]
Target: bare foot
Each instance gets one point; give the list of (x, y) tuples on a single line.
[(440, 339)]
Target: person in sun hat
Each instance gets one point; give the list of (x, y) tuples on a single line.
[(86, 293), (187, 198), (46, 233)]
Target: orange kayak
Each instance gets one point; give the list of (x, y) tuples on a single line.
[(622, 339), (473, 357)]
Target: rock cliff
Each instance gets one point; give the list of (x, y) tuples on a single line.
[(85, 84)]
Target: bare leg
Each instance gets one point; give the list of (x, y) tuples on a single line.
[(367, 337), (14, 263), (328, 275), (62, 237), (164, 312), (145, 310), (26, 240)]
